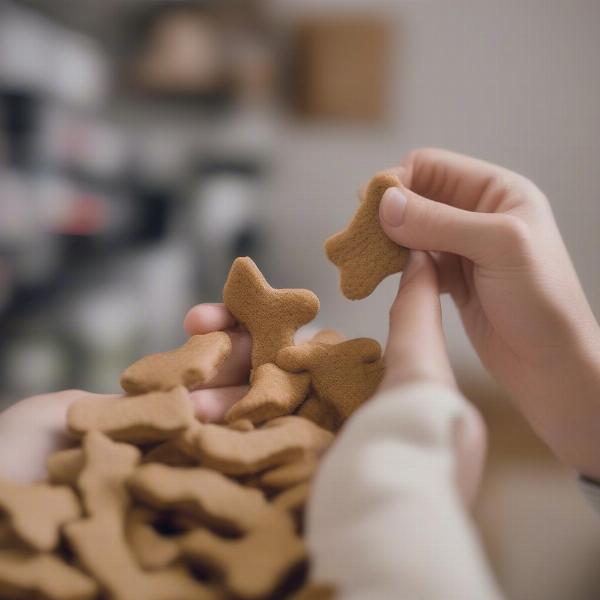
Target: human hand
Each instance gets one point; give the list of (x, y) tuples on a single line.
[(34, 428), (416, 352), (501, 257)]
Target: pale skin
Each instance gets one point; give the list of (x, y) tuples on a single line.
[(487, 237)]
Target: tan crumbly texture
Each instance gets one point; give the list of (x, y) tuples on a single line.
[(192, 365), (218, 501), (254, 565), (37, 512), (273, 393), (26, 574), (64, 466), (271, 316), (244, 453), (151, 417), (362, 252), (343, 375), (290, 474), (152, 550)]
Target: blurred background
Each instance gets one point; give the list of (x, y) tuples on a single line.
[(143, 145)]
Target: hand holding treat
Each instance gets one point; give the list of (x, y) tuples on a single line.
[(501, 257)]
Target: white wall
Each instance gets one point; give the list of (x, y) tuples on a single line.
[(514, 82)]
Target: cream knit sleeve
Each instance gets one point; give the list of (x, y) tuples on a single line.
[(385, 520)]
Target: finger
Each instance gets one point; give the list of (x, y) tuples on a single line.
[(458, 180), (423, 224), (451, 277), (204, 318), (236, 369), (416, 348), (211, 405)]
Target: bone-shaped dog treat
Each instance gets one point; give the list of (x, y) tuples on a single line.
[(152, 550), (274, 393), (291, 474), (328, 336), (102, 482), (271, 316), (362, 251), (64, 466), (243, 453), (37, 511), (190, 365), (169, 453), (252, 567), (25, 574), (99, 541), (343, 375), (319, 412), (100, 546), (293, 499), (315, 591), (8, 538), (242, 425), (151, 417), (216, 500)]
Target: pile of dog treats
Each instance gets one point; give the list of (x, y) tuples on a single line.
[(151, 504)]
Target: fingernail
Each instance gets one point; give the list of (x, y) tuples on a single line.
[(392, 208)]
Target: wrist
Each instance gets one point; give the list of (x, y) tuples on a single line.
[(565, 411)]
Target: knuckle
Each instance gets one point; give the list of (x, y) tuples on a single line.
[(513, 233), (517, 187)]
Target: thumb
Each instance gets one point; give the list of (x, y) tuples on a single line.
[(422, 224), (416, 347)]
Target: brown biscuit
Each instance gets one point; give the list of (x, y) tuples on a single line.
[(271, 316), (169, 453), (280, 441), (100, 546), (152, 550), (328, 336), (190, 365), (315, 591), (25, 574), (319, 412), (36, 512), (242, 425), (217, 501), (343, 375), (293, 499), (253, 566), (64, 466), (8, 538), (102, 482), (362, 251), (99, 542), (151, 417), (286, 476), (274, 393)]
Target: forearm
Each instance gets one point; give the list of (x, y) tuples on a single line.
[(564, 407), (386, 520)]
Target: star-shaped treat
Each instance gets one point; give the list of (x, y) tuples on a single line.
[(362, 251), (271, 316)]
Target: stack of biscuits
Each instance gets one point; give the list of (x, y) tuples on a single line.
[(151, 504)]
